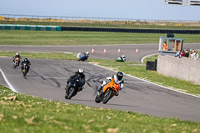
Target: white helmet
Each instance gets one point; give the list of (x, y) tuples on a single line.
[(123, 56), (87, 53), (17, 54), (80, 71)]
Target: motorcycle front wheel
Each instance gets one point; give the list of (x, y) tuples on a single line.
[(97, 99), (70, 92), (107, 96)]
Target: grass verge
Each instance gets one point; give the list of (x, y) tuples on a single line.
[(21, 113), (15, 37)]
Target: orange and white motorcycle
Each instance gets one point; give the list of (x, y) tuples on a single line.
[(109, 90)]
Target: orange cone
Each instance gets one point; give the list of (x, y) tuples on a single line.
[(104, 51), (119, 51), (92, 51), (137, 51)]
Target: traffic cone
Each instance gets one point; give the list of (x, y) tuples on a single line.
[(119, 51), (104, 51), (92, 51), (137, 51)]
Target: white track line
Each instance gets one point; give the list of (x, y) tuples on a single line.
[(142, 60), (9, 84), (168, 88)]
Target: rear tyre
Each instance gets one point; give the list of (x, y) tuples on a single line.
[(107, 96)]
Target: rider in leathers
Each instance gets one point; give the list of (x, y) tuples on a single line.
[(25, 61), (118, 79), (16, 55), (82, 75)]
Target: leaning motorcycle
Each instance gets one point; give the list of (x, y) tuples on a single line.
[(73, 86), (25, 69), (82, 57), (16, 62), (109, 90)]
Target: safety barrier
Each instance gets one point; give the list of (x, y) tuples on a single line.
[(131, 30), (59, 28), (29, 27), (181, 68)]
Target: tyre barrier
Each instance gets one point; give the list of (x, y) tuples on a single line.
[(29, 27), (162, 31)]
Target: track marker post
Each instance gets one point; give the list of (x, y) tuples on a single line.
[(136, 51), (104, 51), (118, 51)]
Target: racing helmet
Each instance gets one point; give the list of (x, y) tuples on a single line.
[(87, 53), (17, 54), (123, 56), (25, 59), (80, 71), (119, 75)]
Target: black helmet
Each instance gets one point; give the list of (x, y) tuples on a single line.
[(25, 59), (119, 75)]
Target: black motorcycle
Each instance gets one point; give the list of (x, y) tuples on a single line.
[(73, 86), (25, 69)]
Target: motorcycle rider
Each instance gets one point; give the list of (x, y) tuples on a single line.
[(82, 76), (16, 55), (121, 58), (82, 56), (118, 79), (25, 61)]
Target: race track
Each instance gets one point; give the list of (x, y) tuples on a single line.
[(47, 79)]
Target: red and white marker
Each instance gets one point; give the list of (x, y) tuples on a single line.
[(92, 51), (104, 51), (118, 51), (136, 51)]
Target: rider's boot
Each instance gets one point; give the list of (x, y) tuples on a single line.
[(80, 88), (117, 93)]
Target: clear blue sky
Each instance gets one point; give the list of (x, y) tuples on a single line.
[(140, 9)]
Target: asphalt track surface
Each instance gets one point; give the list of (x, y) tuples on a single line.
[(47, 79)]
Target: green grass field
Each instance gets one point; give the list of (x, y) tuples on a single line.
[(16, 37), (137, 25), (21, 113)]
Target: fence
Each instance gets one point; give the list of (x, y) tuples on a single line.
[(161, 31), (70, 19)]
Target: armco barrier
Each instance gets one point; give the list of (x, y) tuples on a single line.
[(29, 27), (130, 30)]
